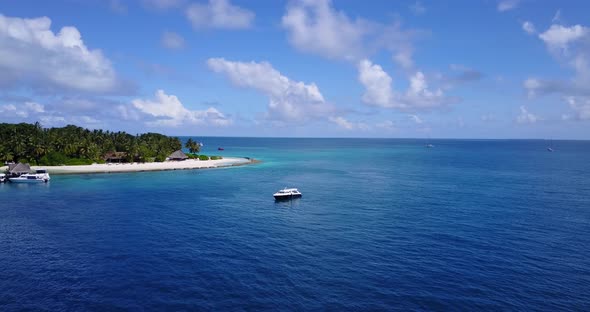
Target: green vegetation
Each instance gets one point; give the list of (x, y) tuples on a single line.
[(72, 145), (203, 157)]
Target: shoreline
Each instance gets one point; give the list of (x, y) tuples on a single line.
[(188, 164)]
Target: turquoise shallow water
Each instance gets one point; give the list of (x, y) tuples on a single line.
[(382, 225)]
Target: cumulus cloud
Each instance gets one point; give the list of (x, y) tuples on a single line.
[(528, 27), (219, 14), (379, 91), (526, 117), (580, 107), (172, 40), (317, 27), (342, 122), (170, 112), (558, 37), (33, 55), (289, 101), (570, 46), (21, 110), (377, 85), (507, 5)]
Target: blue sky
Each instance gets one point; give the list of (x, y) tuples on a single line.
[(464, 69)]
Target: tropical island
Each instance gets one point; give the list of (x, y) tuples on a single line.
[(73, 149)]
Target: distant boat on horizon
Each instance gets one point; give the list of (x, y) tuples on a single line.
[(550, 147), (220, 149)]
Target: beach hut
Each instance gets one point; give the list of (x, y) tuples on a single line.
[(18, 169), (178, 155), (114, 157)]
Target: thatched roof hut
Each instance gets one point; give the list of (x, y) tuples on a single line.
[(18, 169), (114, 156), (178, 155)]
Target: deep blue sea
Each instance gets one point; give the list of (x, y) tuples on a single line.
[(384, 224)]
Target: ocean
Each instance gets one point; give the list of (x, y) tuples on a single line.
[(383, 224)]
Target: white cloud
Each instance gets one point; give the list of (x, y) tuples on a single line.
[(507, 5), (526, 116), (342, 122), (289, 101), (416, 119), (377, 85), (404, 59), (172, 40), (348, 125), (170, 112), (418, 8), (558, 37), (34, 107), (317, 27), (52, 121), (379, 91), (580, 107), (528, 27), (21, 110), (7, 108), (314, 26), (569, 46), (219, 14), (32, 55)]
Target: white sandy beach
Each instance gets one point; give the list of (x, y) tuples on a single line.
[(137, 167)]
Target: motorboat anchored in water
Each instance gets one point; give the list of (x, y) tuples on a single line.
[(40, 175), (287, 193), (2, 177)]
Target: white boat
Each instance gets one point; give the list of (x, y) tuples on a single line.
[(40, 175), (287, 193), (2, 177)]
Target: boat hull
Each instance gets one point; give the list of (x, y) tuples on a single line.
[(286, 197), (28, 181)]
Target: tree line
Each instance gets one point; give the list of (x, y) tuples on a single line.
[(73, 145)]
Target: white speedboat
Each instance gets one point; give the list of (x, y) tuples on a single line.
[(40, 175), (287, 193), (2, 177)]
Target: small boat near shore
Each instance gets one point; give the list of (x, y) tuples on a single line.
[(287, 193), (220, 148), (2, 177), (40, 175)]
